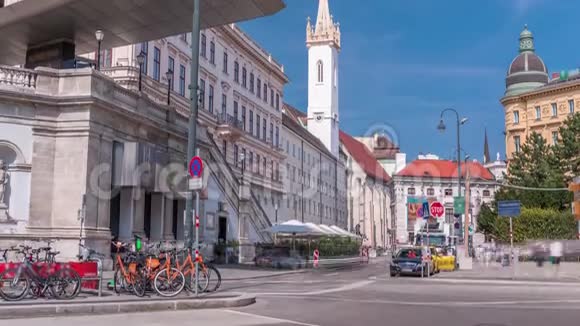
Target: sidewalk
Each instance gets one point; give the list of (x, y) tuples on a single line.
[(523, 271)]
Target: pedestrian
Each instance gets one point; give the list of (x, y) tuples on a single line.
[(556, 252)]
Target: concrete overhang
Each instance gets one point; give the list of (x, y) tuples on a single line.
[(30, 23)]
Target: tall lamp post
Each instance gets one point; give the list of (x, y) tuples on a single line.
[(140, 61), (99, 35), (169, 76), (441, 127)]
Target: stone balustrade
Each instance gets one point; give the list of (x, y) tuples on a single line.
[(18, 77)]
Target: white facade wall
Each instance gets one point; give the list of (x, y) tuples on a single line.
[(481, 191), (311, 178)]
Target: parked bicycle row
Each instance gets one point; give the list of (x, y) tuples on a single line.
[(162, 268), (36, 274)]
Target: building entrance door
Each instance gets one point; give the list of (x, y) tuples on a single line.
[(222, 229)]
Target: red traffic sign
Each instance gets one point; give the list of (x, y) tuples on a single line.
[(437, 209), (196, 167)]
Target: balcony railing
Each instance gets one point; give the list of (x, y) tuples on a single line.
[(18, 77), (227, 119)]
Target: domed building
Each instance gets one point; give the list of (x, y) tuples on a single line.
[(527, 71), (534, 102)]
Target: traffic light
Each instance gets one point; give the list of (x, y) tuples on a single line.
[(575, 187)]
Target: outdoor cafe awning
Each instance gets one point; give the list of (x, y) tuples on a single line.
[(295, 227)]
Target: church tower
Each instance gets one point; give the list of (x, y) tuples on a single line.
[(323, 43)]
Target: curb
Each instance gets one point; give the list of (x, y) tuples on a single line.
[(488, 281), (99, 308)]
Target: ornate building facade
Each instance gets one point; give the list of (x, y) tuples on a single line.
[(533, 102)]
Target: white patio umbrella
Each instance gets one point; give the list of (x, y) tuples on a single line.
[(329, 230)]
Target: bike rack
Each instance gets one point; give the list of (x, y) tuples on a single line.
[(98, 278)]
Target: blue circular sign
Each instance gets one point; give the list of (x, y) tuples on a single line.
[(196, 167)]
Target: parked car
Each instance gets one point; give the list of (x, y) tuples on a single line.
[(412, 261)]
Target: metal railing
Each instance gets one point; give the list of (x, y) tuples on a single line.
[(18, 77), (227, 119)]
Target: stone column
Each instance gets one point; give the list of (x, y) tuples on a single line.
[(157, 216), (180, 221), (139, 212), (126, 214), (168, 219)]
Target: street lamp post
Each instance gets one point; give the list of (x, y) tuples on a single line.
[(441, 127), (140, 61), (169, 76), (99, 35)]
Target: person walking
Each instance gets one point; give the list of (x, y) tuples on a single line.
[(556, 252)]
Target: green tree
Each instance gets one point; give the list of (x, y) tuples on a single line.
[(537, 166), (568, 148)]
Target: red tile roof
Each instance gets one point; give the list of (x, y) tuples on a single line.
[(359, 151), (444, 169), (364, 157)]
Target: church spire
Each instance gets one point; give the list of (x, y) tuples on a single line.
[(486, 158), (325, 30)]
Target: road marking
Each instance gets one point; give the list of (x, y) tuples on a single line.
[(499, 282), (326, 291), (515, 303), (277, 320), (331, 274)]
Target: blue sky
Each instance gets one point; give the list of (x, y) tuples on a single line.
[(402, 62)]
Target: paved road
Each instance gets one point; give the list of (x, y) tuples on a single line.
[(367, 296)]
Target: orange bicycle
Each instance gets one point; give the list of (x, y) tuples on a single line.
[(127, 276), (188, 270), (167, 280)]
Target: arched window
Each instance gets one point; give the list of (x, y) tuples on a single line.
[(320, 69)]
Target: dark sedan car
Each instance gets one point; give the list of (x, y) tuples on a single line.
[(411, 261)]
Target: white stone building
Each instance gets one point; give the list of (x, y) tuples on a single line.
[(433, 179)]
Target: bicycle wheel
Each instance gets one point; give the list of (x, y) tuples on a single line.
[(215, 278), (169, 283), (119, 284), (13, 289), (203, 281), (139, 283), (65, 284)]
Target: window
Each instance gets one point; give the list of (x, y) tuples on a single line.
[(516, 117), (252, 82), (277, 102), (320, 70), (225, 148), (182, 82), (538, 113), (258, 125), (225, 68), (156, 64), (224, 104), (272, 169), (210, 99), (264, 166), (171, 68), (258, 162), (554, 137), (236, 157), (448, 192), (293, 150), (236, 110), (277, 172), (517, 143), (251, 162), (335, 79), (486, 193), (554, 110), (288, 147), (449, 218), (271, 97), (244, 158), (265, 92), (212, 52), (277, 140), (259, 87), (203, 50), (201, 92), (571, 106), (430, 192), (244, 117), (106, 58), (271, 133), (236, 71), (264, 126), (251, 122), (183, 37), (244, 77), (145, 51)]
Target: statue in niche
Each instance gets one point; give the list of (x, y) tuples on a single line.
[(3, 183)]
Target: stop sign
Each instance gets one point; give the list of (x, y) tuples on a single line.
[(437, 209)]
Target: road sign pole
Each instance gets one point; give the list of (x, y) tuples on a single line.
[(196, 241)]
